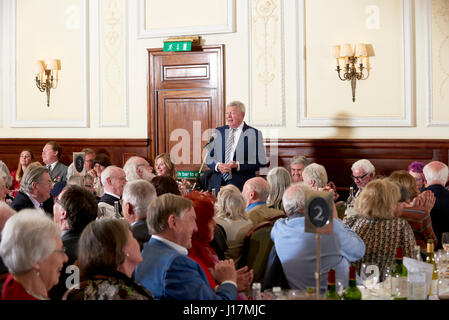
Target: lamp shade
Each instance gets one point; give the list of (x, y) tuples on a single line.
[(346, 50), (39, 67), (360, 50), (54, 64), (336, 51)]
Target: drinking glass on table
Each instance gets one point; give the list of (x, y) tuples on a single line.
[(445, 241)]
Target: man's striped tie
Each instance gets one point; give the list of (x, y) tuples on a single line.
[(229, 142)]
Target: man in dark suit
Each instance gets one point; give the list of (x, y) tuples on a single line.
[(113, 179), (166, 270), (137, 197), (75, 207), (50, 156), (237, 151), (34, 191), (436, 174)]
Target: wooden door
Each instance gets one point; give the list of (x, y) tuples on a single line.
[(185, 103)]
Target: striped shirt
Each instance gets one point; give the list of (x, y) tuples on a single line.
[(421, 224)]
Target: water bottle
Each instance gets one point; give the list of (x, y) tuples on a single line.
[(416, 284), (256, 291)]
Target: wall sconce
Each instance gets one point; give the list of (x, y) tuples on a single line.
[(47, 76), (351, 72)]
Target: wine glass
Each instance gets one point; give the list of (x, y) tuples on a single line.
[(445, 241), (369, 273)]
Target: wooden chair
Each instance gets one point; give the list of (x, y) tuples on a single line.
[(256, 249)]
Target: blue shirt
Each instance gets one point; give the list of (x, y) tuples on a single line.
[(252, 205), (297, 251)]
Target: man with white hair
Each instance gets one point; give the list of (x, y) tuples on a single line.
[(363, 171), (436, 174), (137, 197), (138, 168), (113, 180), (315, 175), (297, 250), (255, 192)]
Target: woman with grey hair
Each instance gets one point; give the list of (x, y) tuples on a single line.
[(230, 214), (279, 180), (32, 250)]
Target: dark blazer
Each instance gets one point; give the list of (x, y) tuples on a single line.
[(249, 152), (59, 172), (171, 275), (440, 211), (22, 201), (140, 232)]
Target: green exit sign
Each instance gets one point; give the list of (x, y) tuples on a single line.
[(178, 46)]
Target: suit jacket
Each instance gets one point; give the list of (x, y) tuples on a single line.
[(261, 213), (140, 232), (22, 201), (440, 211), (171, 275), (59, 172), (249, 152)]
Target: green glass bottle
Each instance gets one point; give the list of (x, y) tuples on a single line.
[(352, 292), (399, 289), (433, 290), (331, 293)]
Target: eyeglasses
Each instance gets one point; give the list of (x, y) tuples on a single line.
[(61, 251), (359, 177)]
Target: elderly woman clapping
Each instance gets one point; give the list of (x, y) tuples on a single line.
[(32, 249)]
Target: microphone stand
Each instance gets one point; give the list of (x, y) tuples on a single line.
[(202, 165)]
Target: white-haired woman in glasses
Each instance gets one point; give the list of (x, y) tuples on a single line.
[(32, 249)]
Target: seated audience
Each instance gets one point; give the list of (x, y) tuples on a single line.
[(164, 166), (230, 214), (3, 189), (113, 180), (74, 208), (297, 165), (415, 169), (362, 172), (5, 213), (137, 196), (376, 221), (51, 153), (255, 192), (35, 190), (315, 176), (107, 257), (101, 161), (90, 155), (296, 248), (165, 184), (138, 168), (5, 171), (166, 270), (436, 175), (416, 208), (32, 249), (26, 157), (201, 251), (279, 179)]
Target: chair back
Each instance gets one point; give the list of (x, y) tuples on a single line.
[(256, 249), (274, 273)]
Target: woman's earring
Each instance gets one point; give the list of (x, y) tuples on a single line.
[(126, 254)]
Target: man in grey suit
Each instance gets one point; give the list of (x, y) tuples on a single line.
[(137, 197), (50, 156)]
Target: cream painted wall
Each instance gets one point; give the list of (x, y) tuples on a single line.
[(128, 119)]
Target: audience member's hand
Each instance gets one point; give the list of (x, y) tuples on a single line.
[(244, 278), (92, 172), (224, 271), (425, 200)]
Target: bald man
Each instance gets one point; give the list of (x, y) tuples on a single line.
[(255, 192), (436, 174)]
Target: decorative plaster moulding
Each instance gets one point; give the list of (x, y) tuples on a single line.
[(143, 33), (407, 120)]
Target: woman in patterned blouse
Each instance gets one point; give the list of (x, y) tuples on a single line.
[(379, 226), (107, 257)]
